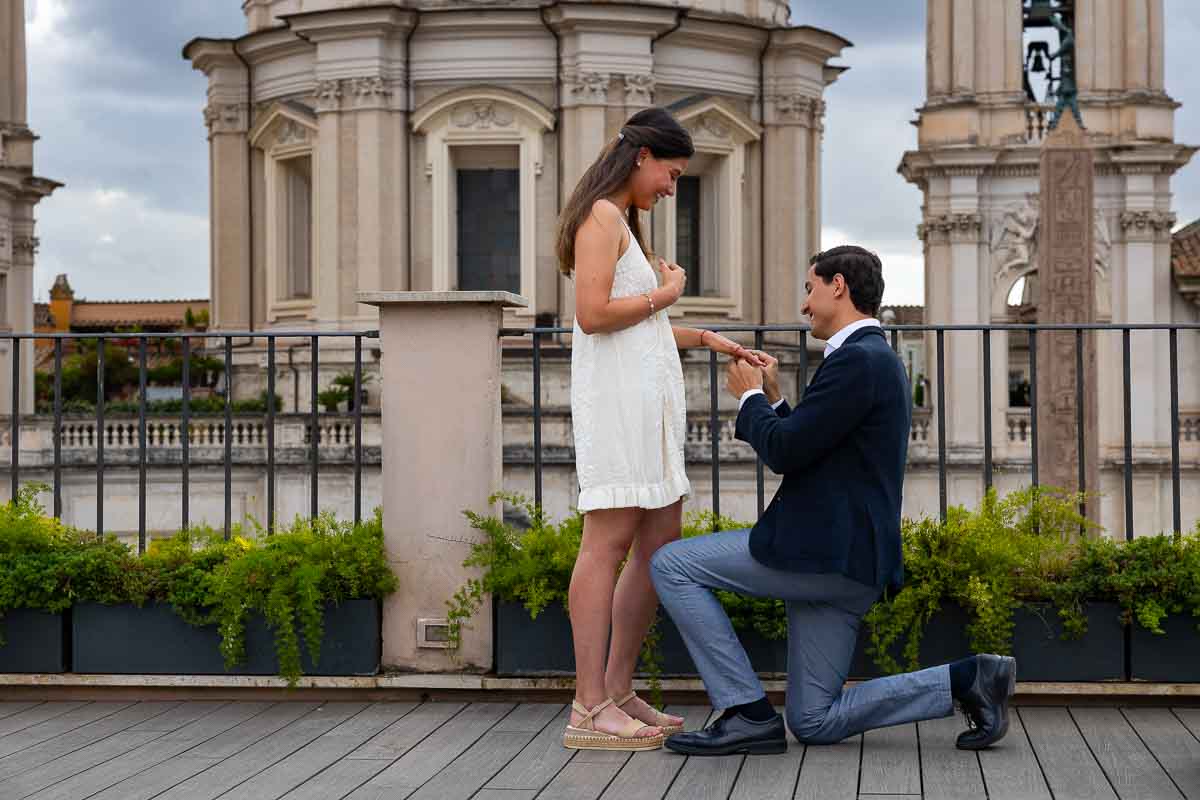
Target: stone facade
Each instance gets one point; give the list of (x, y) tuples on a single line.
[(20, 191), (977, 163)]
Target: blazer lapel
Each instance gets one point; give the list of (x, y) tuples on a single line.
[(870, 330)]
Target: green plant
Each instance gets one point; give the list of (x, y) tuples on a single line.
[(287, 577), (1010, 551), (331, 398)]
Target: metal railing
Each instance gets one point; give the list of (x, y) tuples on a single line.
[(198, 431), (938, 411)]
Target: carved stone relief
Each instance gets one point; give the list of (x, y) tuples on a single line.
[(481, 114)]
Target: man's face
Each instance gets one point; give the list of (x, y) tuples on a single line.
[(821, 304)]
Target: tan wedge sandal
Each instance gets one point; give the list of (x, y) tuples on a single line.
[(584, 736), (659, 717)]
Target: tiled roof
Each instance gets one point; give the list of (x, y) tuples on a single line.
[(906, 315), (1185, 251)]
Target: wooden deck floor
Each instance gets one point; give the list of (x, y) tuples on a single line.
[(502, 751)]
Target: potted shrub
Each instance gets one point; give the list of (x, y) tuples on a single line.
[(345, 381), (305, 600), (1004, 579), (527, 570), (43, 566)]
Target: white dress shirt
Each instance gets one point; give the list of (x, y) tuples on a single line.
[(835, 341)]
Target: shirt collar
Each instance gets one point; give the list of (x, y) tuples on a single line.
[(839, 338)]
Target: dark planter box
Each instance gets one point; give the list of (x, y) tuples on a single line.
[(1173, 657), (1043, 655), (944, 640), (543, 646), (153, 639), (1040, 652), (34, 641)]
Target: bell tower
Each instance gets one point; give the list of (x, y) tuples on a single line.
[(999, 75)]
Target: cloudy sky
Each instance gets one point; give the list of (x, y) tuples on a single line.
[(119, 115)]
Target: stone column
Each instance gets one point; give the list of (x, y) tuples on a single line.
[(20, 285), (1066, 294), (228, 118), (607, 69), (12, 63), (795, 74), (361, 161), (442, 455)]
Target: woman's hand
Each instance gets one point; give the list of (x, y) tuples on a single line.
[(674, 280), (770, 376), (718, 343)]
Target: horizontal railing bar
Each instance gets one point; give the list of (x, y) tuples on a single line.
[(1001, 326), (371, 334)]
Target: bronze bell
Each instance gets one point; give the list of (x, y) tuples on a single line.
[(1038, 64)]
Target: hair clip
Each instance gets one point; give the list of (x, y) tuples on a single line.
[(620, 135)]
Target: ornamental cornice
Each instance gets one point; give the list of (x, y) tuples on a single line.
[(585, 88), (956, 227), (639, 90), (328, 96), (1147, 225), (227, 117), (797, 109)]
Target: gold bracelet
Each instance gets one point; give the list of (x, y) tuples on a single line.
[(649, 300)]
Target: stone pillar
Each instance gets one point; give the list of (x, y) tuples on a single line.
[(1066, 294), (228, 118), (795, 74), (442, 455), (607, 69), (361, 160), (12, 63)]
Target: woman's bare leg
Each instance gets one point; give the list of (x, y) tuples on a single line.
[(634, 604), (607, 536)]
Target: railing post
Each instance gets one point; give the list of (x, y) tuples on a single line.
[(442, 454)]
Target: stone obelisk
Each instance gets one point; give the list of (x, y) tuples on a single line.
[(1067, 294)]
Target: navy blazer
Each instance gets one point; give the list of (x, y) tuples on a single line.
[(842, 453)]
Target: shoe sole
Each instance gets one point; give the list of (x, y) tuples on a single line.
[(752, 749)]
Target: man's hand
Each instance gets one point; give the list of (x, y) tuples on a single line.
[(770, 375), (740, 377)]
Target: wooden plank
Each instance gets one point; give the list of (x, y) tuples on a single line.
[(180, 716), (221, 717), (422, 762), (1190, 717), (1171, 744), (79, 737), (1010, 769), (1130, 767), (890, 761), (285, 775), (830, 772), (73, 763), (161, 777), (274, 719), (706, 778), (223, 776), (946, 771), (35, 715), (770, 777), (529, 718), (407, 732), (338, 781), (474, 768), (1067, 764), (583, 780), (889, 797), (537, 764), (648, 775), (10, 707), (505, 794)]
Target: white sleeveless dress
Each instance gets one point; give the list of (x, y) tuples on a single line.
[(627, 404)]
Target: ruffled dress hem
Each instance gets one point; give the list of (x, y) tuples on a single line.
[(658, 495)]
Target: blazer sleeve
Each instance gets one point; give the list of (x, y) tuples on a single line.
[(834, 405), (783, 409)]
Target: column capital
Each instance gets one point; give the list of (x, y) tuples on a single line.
[(796, 109), (1147, 226), (957, 228), (227, 117)]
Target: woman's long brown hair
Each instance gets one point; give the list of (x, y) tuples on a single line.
[(653, 128)]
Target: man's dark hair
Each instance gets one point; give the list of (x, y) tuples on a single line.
[(861, 270)]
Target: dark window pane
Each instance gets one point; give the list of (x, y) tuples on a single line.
[(687, 230), (489, 230)]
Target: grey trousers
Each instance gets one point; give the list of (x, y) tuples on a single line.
[(824, 612)]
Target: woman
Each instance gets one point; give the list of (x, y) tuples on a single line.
[(627, 406)]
